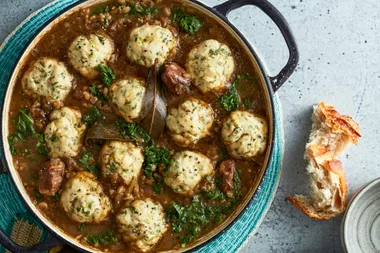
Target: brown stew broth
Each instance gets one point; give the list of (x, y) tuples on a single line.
[(55, 44)]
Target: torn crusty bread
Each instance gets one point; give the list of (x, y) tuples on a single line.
[(330, 136)]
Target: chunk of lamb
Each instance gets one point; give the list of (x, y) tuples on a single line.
[(176, 78), (51, 177), (227, 170)]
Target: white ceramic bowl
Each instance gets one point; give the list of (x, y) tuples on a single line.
[(360, 230)]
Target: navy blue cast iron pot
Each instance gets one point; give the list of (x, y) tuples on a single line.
[(269, 85)]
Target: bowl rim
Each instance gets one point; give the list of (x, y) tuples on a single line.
[(55, 230), (350, 209)]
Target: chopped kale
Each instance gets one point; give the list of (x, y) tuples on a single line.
[(93, 168), (133, 131), (215, 194), (106, 75), (96, 92), (157, 187), (38, 195), (56, 196), (188, 22), (189, 220), (155, 156), (137, 9), (85, 160), (24, 130), (93, 115), (223, 151), (100, 10), (82, 226), (104, 239), (246, 102), (230, 101), (248, 77)]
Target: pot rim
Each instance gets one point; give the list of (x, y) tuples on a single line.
[(260, 63)]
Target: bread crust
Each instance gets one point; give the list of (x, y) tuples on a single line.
[(340, 123), (330, 135)]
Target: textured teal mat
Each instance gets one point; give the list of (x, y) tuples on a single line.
[(230, 242)]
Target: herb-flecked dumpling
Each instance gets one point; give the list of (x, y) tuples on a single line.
[(127, 98), (83, 199), (245, 135), (64, 134), (186, 170), (48, 78), (86, 53), (150, 42), (190, 122), (123, 158), (142, 224), (211, 65)]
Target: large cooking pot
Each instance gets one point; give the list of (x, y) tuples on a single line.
[(270, 86)]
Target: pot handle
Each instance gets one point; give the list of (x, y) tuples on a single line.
[(49, 243), (281, 23)]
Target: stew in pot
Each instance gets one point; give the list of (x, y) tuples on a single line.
[(138, 126)]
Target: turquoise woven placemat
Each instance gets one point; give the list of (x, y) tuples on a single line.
[(12, 209)]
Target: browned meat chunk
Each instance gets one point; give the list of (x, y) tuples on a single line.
[(176, 78), (51, 177), (227, 170), (71, 164)]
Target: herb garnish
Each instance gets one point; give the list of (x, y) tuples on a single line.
[(82, 226), (188, 221), (38, 195), (215, 194), (105, 238), (188, 22), (96, 92), (136, 9), (106, 75), (230, 101), (246, 102), (155, 156), (93, 115), (100, 10), (24, 130), (56, 196), (85, 160), (132, 130), (223, 151), (248, 77), (157, 187)]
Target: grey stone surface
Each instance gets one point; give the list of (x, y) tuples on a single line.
[(339, 47)]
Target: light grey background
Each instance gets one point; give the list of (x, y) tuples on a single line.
[(340, 62)]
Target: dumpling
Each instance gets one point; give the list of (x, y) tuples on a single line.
[(149, 42), (64, 134), (211, 65), (142, 224), (87, 52), (245, 135), (83, 199), (190, 122), (186, 170), (48, 78), (127, 97), (123, 158)]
